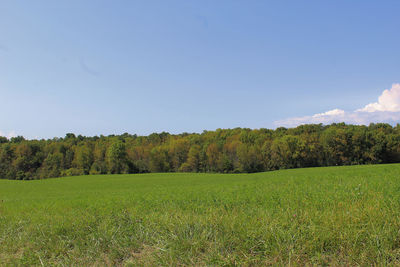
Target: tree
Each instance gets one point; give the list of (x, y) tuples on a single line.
[(337, 145), (288, 152), (193, 160), (83, 158), (116, 158), (250, 158), (178, 151), (52, 166), (213, 157), (159, 160), (222, 150)]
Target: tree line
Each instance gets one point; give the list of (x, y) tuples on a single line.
[(238, 150)]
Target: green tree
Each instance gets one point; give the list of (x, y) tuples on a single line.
[(83, 159), (116, 158), (159, 160), (193, 161)]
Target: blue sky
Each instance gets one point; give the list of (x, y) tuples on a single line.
[(109, 67)]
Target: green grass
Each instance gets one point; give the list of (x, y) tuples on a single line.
[(325, 216)]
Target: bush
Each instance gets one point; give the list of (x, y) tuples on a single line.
[(73, 172)]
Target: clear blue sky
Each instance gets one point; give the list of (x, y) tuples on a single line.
[(109, 67)]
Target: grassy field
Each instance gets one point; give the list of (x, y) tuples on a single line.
[(325, 216)]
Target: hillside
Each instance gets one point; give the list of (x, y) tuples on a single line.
[(332, 215)]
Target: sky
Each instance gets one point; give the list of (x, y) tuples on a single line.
[(107, 67)]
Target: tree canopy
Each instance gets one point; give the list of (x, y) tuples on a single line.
[(223, 150)]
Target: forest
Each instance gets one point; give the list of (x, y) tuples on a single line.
[(238, 150)]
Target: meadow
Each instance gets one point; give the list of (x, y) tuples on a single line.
[(326, 216)]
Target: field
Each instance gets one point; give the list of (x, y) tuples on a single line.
[(325, 216)]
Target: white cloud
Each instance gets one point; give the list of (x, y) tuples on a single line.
[(387, 109), (333, 112), (389, 100)]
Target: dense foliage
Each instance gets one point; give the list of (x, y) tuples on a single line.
[(223, 150)]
